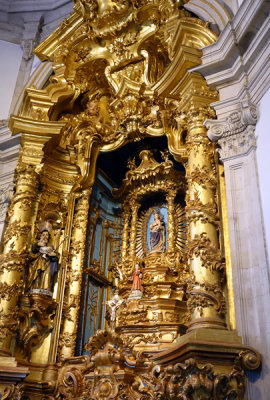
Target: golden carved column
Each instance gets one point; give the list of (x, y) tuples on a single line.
[(126, 209), (74, 277), (14, 251), (133, 229), (171, 218), (15, 239), (206, 302)]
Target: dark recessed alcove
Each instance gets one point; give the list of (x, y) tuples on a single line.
[(114, 163)]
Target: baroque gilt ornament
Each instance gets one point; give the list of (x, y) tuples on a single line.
[(121, 73)]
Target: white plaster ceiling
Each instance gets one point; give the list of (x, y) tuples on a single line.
[(16, 14), (19, 17)]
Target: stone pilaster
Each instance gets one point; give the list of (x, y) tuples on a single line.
[(236, 138), (30, 39)]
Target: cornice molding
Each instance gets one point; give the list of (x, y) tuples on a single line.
[(239, 54)]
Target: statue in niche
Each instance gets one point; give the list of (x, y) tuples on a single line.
[(114, 303), (157, 233), (137, 286), (44, 265)]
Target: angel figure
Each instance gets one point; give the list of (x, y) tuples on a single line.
[(44, 265)]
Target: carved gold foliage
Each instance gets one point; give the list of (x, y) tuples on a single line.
[(8, 322), (201, 246), (8, 291), (114, 371), (197, 114), (201, 146), (132, 312), (13, 262), (76, 247), (12, 392), (72, 302), (36, 317), (131, 340), (109, 373), (198, 211), (203, 176), (189, 381), (16, 229), (67, 340), (25, 172), (200, 299)]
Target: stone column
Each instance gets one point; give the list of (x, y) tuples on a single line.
[(250, 270), (206, 302), (126, 208), (133, 229), (30, 39), (6, 193), (171, 218), (73, 284), (15, 239)]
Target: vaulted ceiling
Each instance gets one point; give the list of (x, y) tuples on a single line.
[(16, 16)]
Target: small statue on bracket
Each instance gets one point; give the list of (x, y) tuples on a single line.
[(114, 303), (137, 280), (43, 268)]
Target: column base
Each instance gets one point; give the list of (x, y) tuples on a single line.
[(215, 357), (220, 347)]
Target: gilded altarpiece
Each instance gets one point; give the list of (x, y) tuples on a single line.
[(122, 74)]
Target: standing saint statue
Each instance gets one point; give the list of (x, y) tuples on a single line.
[(44, 266), (157, 233), (137, 287)]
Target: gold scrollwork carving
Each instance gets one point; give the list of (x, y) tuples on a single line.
[(36, 319), (12, 392), (202, 247)]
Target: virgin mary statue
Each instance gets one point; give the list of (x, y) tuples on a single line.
[(157, 233)]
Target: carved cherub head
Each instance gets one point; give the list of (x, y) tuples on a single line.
[(93, 108)]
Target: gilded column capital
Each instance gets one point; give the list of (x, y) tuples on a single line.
[(171, 194), (134, 205), (196, 116), (32, 152), (235, 134)]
